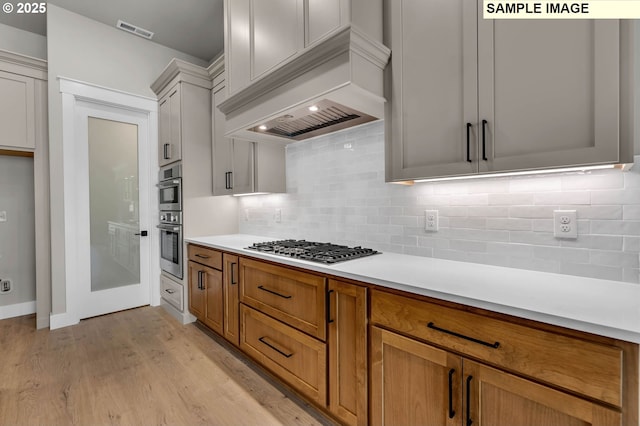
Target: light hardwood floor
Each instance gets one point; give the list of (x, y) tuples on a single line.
[(137, 367)]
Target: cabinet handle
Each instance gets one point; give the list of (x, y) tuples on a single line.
[(201, 280), (469, 142), (230, 180), (494, 345), (262, 339), (227, 180), (273, 292), (202, 256), (452, 413), (469, 421), (170, 291), (328, 307), (233, 280), (166, 154), (484, 140)]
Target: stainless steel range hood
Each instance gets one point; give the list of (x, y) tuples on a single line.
[(331, 86)]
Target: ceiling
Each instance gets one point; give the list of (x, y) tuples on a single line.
[(194, 27)]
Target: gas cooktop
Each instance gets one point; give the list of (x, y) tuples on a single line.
[(316, 252)]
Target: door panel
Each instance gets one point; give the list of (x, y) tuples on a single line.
[(565, 111), (501, 399), (431, 87), (410, 382)]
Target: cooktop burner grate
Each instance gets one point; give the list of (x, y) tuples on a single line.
[(316, 252)]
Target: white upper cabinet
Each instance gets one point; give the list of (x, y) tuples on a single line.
[(17, 112), (169, 133), (467, 95), (240, 166)]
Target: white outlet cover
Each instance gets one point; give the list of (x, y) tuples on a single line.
[(3, 216), (565, 224), (431, 220)]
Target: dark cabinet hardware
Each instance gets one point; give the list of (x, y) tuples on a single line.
[(200, 280), (227, 180), (166, 155), (469, 421), (452, 413), (494, 345), (142, 233), (288, 355), (273, 292), (328, 307), (233, 280), (484, 140), (202, 256), (170, 291), (469, 142)]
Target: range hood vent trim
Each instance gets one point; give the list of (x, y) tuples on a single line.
[(350, 38)]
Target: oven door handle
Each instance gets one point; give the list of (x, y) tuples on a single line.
[(168, 228)]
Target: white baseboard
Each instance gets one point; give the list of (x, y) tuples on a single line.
[(182, 317), (62, 320), (17, 310)]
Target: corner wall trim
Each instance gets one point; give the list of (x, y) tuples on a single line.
[(17, 310)]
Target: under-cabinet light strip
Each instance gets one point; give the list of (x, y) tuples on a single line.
[(529, 172)]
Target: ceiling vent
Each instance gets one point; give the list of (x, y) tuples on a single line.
[(134, 29)]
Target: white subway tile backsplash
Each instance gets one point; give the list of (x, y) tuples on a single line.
[(336, 192)]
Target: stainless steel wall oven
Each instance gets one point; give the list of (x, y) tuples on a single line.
[(170, 199)]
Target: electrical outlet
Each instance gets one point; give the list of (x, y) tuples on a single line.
[(565, 224), (278, 216), (431, 220), (3, 216), (5, 286)]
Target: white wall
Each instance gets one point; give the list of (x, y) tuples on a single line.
[(23, 42), (82, 49), (17, 234), (336, 192)]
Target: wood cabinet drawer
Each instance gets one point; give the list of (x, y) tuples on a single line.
[(298, 359), (205, 256), (585, 367), (172, 292), (294, 297)]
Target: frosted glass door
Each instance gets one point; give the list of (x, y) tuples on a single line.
[(113, 204)]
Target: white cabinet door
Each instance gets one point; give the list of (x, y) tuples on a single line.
[(243, 167), (222, 147), (549, 92), (17, 111), (431, 88), (169, 132)]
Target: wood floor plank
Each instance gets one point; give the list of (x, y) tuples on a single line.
[(135, 367)]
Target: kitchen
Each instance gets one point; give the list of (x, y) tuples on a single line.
[(335, 189)]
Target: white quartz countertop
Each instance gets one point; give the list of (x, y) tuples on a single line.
[(607, 308)]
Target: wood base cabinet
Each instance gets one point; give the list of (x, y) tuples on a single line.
[(501, 399), (206, 300), (347, 346), (231, 302), (416, 383)]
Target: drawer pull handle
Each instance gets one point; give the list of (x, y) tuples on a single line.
[(452, 413), (288, 355), (484, 141), (202, 256), (170, 291), (469, 421), (263, 288), (494, 345), (468, 142)]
